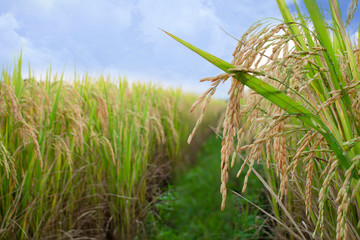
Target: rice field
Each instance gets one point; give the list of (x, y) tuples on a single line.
[(299, 118), (89, 158), (84, 159)]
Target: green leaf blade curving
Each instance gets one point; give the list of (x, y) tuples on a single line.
[(278, 98)]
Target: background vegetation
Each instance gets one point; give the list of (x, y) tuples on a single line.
[(86, 159)]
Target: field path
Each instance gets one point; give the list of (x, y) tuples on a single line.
[(191, 208)]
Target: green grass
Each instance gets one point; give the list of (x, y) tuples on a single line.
[(190, 209)]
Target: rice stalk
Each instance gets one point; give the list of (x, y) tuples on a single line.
[(77, 159), (311, 80)]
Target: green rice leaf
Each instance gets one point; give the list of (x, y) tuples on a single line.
[(278, 98), (223, 65)]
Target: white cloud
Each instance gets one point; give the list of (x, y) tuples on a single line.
[(63, 31), (10, 40), (195, 21), (122, 35), (8, 22), (44, 4), (68, 12), (185, 17), (12, 43)]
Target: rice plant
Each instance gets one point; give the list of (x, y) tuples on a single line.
[(85, 159), (300, 116)]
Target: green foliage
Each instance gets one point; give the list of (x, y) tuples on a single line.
[(190, 209)]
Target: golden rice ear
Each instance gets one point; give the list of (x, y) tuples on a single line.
[(310, 72), (206, 95), (7, 162), (67, 149)]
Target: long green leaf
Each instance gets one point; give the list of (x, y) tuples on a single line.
[(278, 98)]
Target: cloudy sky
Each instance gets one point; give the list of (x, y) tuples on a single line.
[(122, 37)]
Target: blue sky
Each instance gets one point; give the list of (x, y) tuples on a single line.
[(123, 38)]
